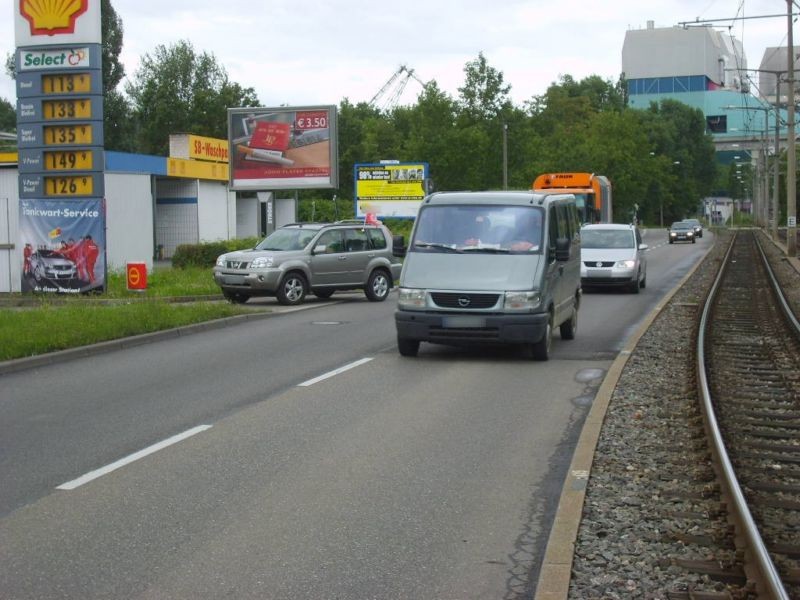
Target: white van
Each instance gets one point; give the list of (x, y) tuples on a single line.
[(491, 268)]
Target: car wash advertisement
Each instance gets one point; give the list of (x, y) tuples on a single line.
[(64, 245)]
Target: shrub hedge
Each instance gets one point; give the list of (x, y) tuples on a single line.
[(205, 255)]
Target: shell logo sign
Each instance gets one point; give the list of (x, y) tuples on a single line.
[(64, 22), (50, 17)]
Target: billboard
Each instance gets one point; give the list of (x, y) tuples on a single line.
[(390, 190), (284, 148), (64, 245)]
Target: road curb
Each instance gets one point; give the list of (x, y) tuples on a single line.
[(556, 570)]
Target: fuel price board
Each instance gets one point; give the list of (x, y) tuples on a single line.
[(60, 122)]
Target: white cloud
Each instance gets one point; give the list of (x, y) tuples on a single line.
[(312, 52)]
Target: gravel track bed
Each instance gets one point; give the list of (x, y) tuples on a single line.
[(652, 507)]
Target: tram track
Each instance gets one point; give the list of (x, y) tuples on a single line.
[(749, 367), (658, 519)]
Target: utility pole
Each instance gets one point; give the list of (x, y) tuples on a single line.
[(505, 156), (791, 165), (776, 161)]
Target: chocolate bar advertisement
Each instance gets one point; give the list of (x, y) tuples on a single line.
[(283, 148)]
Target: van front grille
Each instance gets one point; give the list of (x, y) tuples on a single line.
[(464, 301)]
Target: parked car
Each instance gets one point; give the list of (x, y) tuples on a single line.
[(318, 258), (697, 225), (681, 231), (613, 255), (52, 265)]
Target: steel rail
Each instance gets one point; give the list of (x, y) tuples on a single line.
[(756, 547)]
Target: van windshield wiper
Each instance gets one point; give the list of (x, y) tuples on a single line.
[(436, 245), (487, 249)]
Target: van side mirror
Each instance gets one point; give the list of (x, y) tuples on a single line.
[(563, 246), (399, 246)]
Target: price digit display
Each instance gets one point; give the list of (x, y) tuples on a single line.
[(67, 109), (68, 161), (66, 83), (68, 186), (62, 135), (317, 119)]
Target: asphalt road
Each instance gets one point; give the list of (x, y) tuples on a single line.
[(317, 462)]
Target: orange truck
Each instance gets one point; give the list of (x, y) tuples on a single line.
[(592, 192)]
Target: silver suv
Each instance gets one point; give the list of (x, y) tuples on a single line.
[(319, 258)]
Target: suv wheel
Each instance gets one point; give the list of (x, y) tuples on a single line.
[(292, 289), (378, 284)]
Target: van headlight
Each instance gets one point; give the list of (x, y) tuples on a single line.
[(625, 264), (262, 262), (411, 298), (522, 300)]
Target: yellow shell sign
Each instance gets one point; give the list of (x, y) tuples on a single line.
[(52, 16)]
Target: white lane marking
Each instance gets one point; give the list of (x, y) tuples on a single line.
[(335, 372), (71, 485)]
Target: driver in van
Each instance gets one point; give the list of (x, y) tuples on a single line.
[(527, 232)]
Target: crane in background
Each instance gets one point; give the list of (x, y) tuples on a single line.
[(391, 91)]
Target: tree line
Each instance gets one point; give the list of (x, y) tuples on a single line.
[(659, 160)]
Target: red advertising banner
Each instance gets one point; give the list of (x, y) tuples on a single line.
[(283, 148)]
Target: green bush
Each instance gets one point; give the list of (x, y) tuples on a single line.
[(205, 255)]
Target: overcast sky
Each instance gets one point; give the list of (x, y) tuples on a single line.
[(308, 52)]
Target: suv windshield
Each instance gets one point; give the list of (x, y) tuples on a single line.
[(480, 228), (607, 238), (287, 239)]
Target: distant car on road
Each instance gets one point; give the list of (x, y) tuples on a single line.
[(613, 255), (681, 231), (697, 225), (52, 265)]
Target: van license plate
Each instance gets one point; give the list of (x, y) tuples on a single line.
[(462, 322)]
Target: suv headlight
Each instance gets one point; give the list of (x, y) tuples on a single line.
[(522, 300), (411, 298), (221, 261), (262, 262), (625, 264)]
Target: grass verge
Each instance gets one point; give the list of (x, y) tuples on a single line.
[(56, 322)]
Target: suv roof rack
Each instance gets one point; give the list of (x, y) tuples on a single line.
[(349, 221)]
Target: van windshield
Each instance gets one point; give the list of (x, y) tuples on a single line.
[(479, 228)]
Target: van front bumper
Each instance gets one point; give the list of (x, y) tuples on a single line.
[(474, 328)]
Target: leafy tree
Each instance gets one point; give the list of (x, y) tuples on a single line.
[(8, 116), (111, 26), (117, 118), (179, 90), (484, 94)]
